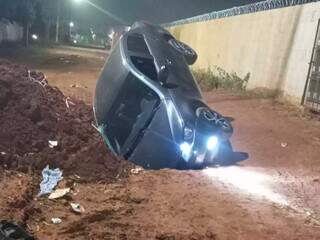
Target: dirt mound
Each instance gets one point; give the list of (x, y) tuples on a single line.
[(33, 114)]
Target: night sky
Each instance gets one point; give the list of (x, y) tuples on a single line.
[(156, 11)]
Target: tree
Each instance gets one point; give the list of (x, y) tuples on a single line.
[(25, 15), (57, 13), (21, 11), (58, 20), (48, 16)]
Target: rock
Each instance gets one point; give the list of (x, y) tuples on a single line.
[(56, 220), (52, 144)]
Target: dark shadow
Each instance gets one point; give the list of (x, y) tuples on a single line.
[(230, 159), (288, 50), (234, 158)]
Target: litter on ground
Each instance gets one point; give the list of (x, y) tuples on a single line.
[(50, 180)]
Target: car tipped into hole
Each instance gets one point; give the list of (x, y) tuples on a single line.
[(149, 108)]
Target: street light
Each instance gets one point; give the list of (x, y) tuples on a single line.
[(71, 25), (103, 11)]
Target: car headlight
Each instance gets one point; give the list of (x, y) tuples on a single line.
[(212, 143), (186, 150)]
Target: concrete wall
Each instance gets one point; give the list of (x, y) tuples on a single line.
[(10, 32), (274, 46)]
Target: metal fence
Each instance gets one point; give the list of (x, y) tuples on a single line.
[(312, 99), (246, 9)]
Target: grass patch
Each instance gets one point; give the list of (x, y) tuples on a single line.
[(217, 78)]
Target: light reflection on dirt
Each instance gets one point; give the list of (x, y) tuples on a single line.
[(249, 181)]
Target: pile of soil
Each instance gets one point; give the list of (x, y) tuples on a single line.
[(32, 115)]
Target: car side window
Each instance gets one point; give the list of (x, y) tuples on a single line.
[(130, 112)]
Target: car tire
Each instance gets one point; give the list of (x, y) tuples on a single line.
[(183, 165), (195, 166), (189, 54), (225, 154)]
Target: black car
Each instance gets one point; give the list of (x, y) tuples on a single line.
[(149, 108)]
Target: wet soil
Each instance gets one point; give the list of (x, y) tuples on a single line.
[(272, 195), (33, 114)]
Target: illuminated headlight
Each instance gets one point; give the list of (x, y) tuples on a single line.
[(212, 143), (186, 150), (34, 36)]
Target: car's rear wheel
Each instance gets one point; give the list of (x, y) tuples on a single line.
[(189, 54)]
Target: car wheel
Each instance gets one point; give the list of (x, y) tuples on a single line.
[(225, 154), (195, 166), (189, 54), (183, 165)]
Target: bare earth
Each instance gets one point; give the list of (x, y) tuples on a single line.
[(275, 194)]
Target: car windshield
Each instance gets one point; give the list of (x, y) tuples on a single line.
[(130, 113)]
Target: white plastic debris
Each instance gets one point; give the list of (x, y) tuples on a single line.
[(136, 170), (95, 127), (53, 144), (284, 144), (43, 82), (56, 220), (59, 193), (68, 102), (50, 180), (3, 153), (76, 207)]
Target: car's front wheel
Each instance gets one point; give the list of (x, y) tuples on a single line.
[(225, 154)]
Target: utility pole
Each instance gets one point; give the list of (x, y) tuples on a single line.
[(58, 21)]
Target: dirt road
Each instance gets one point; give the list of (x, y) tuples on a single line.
[(275, 194)]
